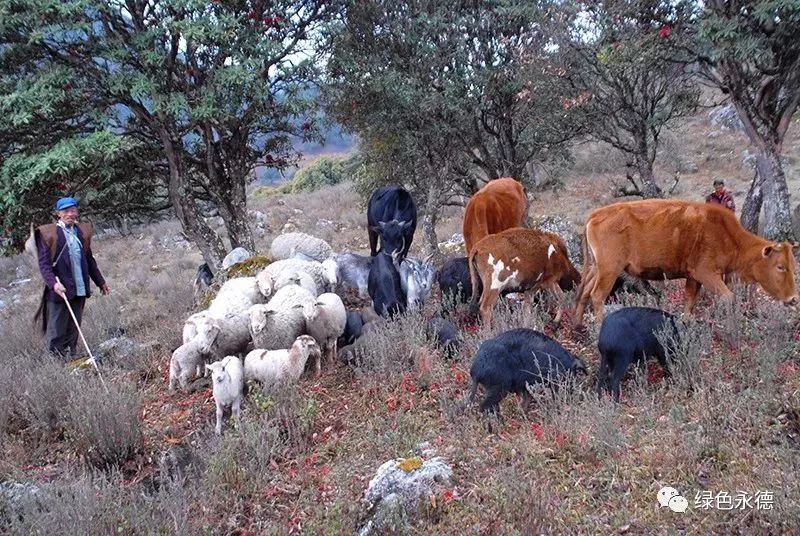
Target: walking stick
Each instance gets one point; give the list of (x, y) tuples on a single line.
[(85, 344)]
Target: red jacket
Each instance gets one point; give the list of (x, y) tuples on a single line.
[(726, 200)]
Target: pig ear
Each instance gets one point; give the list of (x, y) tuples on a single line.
[(405, 224), (767, 251)]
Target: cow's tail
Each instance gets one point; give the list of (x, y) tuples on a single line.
[(41, 312), (474, 279)]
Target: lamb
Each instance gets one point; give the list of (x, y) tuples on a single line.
[(416, 279), (277, 324), (236, 296), (323, 273), (353, 273), (285, 246), (184, 365), (325, 321), (228, 388), (271, 366)]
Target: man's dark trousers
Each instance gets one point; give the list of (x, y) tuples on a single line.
[(62, 335)]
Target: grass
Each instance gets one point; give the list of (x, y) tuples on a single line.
[(727, 421)]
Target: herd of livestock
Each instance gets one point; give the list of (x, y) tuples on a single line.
[(292, 313)]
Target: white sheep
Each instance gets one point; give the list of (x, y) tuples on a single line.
[(227, 377), (269, 284), (278, 323), (287, 245), (323, 273), (325, 321), (184, 364), (270, 366), (228, 335), (236, 296)]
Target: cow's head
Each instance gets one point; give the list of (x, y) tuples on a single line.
[(393, 235), (774, 271)]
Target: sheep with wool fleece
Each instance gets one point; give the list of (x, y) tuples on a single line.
[(285, 365), (325, 321), (287, 245), (279, 322), (227, 377)]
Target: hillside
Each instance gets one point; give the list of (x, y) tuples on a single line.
[(728, 421)]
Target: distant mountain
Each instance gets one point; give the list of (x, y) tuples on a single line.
[(337, 143)]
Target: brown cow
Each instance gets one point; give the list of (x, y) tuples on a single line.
[(498, 206), (672, 239), (520, 259)]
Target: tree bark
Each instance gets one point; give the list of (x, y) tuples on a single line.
[(777, 208), (185, 207), (648, 187), (429, 220), (751, 209), (232, 204)]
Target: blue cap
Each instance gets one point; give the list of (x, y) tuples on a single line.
[(66, 202)]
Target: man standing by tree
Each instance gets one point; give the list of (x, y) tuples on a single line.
[(721, 196), (66, 264)]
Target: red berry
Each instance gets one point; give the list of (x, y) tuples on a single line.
[(306, 125), (664, 32), (67, 86), (189, 72), (267, 21), (61, 186), (615, 45), (252, 15), (269, 158)]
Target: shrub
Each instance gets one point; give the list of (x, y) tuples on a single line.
[(103, 427), (98, 504)]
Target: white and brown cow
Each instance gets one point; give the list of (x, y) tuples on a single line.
[(672, 239), (518, 259)]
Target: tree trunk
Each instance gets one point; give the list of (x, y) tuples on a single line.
[(429, 220), (232, 205), (751, 209), (648, 187), (777, 208), (185, 207)]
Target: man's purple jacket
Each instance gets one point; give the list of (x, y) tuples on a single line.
[(63, 268)]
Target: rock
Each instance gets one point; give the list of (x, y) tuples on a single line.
[(175, 463), (289, 227), (234, 257), (453, 245), (748, 159), (15, 496), (564, 229), (257, 216), (395, 495), (120, 349), (726, 117), (297, 211)]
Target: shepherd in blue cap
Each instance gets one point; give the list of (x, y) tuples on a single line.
[(66, 264)]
